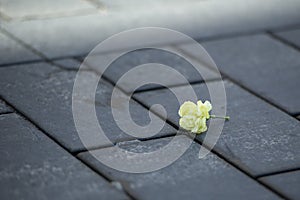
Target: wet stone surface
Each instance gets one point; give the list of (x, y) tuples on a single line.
[(40, 169), (262, 64), (255, 44), (60, 33), (13, 52), (34, 9), (44, 93), (258, 137), (286, 183), (292, 36), (68, 64), (4, 108), (133, 59), (209, 177), (78, 35)]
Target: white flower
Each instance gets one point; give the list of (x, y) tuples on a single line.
[(204, 108), (193, 117)]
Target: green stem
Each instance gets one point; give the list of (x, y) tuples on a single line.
[(220, 117)]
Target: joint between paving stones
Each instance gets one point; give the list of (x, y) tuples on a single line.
[(283, 41), (278, 172), (51, 138)]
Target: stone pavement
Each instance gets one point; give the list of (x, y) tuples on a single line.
[(256, 46)]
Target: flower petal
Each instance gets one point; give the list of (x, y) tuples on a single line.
[(208, 105), (187, 108)]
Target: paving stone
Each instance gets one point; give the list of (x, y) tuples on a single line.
[(44, 93), (133, 59), (16, 9), (187, 178), (55, 37), (262, 64), (214, 18), (13, 52), (286, 183), (258, 137), (292, 36), (68, 63), (4, 108), (40, 169), (61, 33)]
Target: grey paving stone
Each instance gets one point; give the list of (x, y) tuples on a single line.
[(286, 183), (135, 58), (187, 178), (262, 64), (258, 137), (44, 93), (55, 37), (292, 36), (62, 33), (4, 108), (213, 17), (68, 63), (12, 52), (31, 9), (34, 167)]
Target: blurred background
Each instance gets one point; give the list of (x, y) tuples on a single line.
[(51, 28)]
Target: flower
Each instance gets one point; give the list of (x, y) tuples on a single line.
[(193, 117)]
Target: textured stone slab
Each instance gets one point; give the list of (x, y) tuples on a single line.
[(258, 137), (292, 36), (34, 167), (286, 183), (13, 52), (187, 178), (213, 17), (56, 37), (264, 65), (133, 59), (44, 93), (68, 63), (4, 108), (31, 9)]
